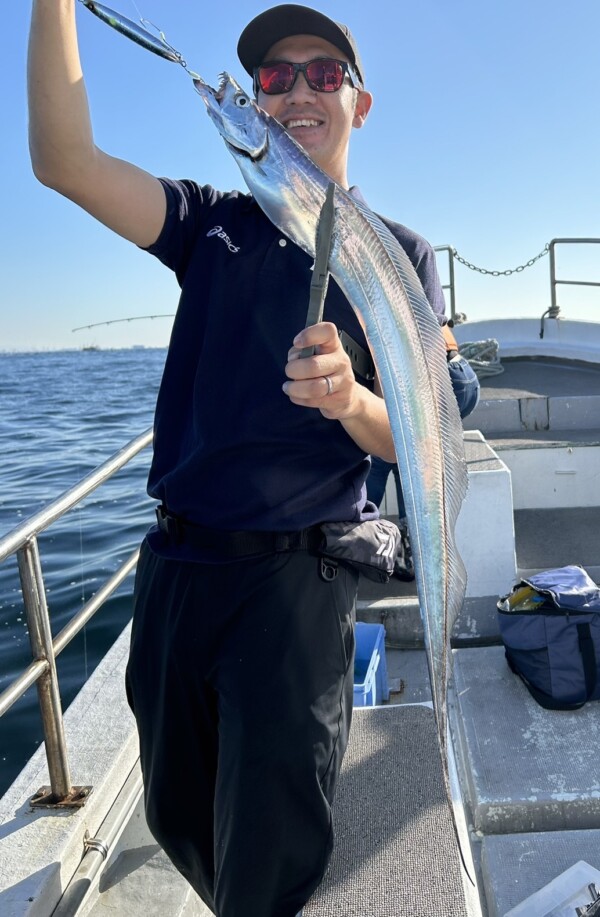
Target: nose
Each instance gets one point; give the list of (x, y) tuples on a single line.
[(300, 91)]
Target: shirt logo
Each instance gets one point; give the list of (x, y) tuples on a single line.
[(221, 234)]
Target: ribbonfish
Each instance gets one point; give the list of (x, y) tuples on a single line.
[(405, 339)]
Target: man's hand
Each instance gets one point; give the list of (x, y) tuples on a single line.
[(326, 380)]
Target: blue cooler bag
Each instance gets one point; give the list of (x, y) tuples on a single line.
[(550, 627)]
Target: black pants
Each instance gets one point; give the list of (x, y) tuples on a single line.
[(241, 681)]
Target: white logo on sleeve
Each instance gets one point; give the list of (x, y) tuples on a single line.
[(221, 234)]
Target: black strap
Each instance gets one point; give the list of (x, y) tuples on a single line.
[(238, 543), (361, 360), (588, 656)]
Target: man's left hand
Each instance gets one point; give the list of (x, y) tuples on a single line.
[(326, 380)]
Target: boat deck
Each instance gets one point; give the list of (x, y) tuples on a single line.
[(541, 377), (533, 395), (395, 849), (527, 777)]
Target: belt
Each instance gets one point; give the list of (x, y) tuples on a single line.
[(236, 544)]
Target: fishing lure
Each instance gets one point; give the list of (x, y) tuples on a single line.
[(142, 36)]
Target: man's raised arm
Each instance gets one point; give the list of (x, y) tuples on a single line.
[(63, 153)]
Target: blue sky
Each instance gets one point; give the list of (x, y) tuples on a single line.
[(484, 135)]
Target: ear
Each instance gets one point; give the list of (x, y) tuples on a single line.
[(364, 100)]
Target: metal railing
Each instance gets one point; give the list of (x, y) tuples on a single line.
[(23, 542), (553, 310), (450, 285), (554, 281)]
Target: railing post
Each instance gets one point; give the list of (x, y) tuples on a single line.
[(452, 287), (22, 541), (40, 637), (554, 281), (552, 275), (450, 284)]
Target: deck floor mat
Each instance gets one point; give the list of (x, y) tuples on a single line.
[(395, 852)]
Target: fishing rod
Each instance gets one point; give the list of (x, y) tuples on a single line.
[(116, 321)]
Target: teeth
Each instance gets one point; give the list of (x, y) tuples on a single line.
[(302, 122)]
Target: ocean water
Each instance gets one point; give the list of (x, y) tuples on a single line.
[(61, 415)]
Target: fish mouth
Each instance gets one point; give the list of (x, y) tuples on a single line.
[(213, 99), (252, 155)]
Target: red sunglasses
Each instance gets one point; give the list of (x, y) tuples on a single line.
[(323, 74)]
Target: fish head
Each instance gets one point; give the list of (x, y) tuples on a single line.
[(236, 116), (286, 184)]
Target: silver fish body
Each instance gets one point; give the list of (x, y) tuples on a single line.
[(381, 284)]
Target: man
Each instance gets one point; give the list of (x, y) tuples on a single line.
[(241, 666)]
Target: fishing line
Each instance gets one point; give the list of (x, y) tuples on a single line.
[(85, 647), (138, 11), (79, 476), (147, 22)]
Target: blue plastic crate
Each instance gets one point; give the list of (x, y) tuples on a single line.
[(370, 668)]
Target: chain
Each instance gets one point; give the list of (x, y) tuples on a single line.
[(515, 270)]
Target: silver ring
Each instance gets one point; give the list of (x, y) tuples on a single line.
[(329, 385)]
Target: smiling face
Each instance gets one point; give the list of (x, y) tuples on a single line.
[(321, 122)]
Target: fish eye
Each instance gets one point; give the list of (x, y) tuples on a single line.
[(241, 100)]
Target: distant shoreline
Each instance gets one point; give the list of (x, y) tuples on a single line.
[(93, 348)]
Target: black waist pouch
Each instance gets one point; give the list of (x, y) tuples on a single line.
[(371, 546)]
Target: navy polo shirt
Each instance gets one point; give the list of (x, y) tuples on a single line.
[(230, 449)]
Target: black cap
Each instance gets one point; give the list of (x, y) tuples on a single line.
[(290, 19)]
